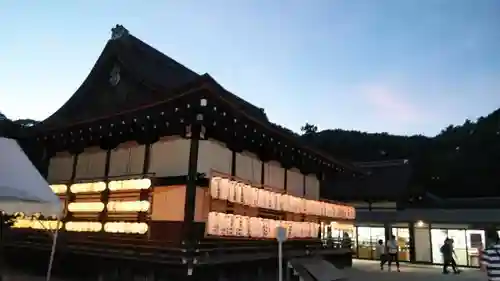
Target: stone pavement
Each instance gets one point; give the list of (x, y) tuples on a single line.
[(370, 271)]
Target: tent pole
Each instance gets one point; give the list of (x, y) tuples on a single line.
[(52, 252)]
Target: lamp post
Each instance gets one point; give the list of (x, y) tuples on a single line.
[(280, 237)]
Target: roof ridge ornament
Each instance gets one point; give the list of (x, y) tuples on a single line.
[(118, 32), (114, 76)]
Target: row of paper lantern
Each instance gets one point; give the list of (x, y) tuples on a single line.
[(222, 224), (241, 193), (112, 206), (92, 187), (85, 226)]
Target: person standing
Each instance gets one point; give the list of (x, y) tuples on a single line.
[(392, 250), (381, 254), (490, 257)]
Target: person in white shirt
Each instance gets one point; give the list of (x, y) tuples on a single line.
[(380, 253), (393, 250)]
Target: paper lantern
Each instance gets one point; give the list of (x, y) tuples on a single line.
[(255, 227), (265, 228), (261, 198), (277, 203), (230, 225), (269, 200), (231, 195), (213, 223), (214, 187), (126, 227), (245, 229), (224, 186), (238, 193), (255, 197), (237, 228), (247, 195)]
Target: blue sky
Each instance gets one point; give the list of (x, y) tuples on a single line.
[(404, 67)]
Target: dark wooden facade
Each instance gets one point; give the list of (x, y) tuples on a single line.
[(136, 94)]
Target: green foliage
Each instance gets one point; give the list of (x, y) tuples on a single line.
[(9, 220), (462, 161)]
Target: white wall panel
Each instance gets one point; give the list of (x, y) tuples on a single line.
[(213, 155), (312, 187), (82, 166), (119, 160), (97, 164), (295, 182), (170, 157), (127, 159), (274, 175), (248, 167), (136, 165), (60, 168)]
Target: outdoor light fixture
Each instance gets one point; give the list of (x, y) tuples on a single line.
[(59, 188), (128, 206), (126, 227), (88, 187), (83, 226), (136, 184), (85, 207)]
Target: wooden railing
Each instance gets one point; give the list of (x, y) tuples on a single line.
[(206, 252)]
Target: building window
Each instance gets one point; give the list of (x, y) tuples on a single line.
[(368, 238)]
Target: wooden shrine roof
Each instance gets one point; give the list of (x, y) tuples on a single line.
[(132, 86), (147, 76)]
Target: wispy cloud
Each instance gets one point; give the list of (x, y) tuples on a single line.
[(392, 104)]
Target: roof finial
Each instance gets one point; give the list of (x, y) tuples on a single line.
[(118, 32)]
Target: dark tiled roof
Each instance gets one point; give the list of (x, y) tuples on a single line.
[(386, 181), (150, 77), (143, 66)]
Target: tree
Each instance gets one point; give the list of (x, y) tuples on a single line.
[(461, 161), (309, 129)]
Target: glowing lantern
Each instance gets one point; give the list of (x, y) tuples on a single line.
[(224, 186), (214, 187), (238, 193)]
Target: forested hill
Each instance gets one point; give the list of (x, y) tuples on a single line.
[(462, 161)]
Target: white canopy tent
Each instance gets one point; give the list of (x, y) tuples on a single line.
[(24, 190)]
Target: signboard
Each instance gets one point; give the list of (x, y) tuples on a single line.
[(476, 240), (281, 233)]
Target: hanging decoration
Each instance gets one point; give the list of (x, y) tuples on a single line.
[(241, 193), (59, 188), (89, 187), (37, 224), (126, 227), (136, 184), (82, 207), (83, 226), (128, 206), (222, 224)]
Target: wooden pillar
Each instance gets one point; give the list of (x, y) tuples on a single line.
[(105, 193), (190, 198), (189, 237), (70, 197)]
